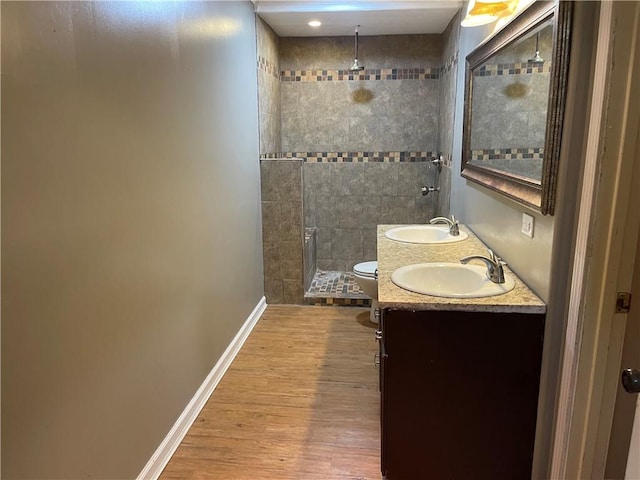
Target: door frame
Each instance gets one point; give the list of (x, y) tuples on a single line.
[(605, 247)]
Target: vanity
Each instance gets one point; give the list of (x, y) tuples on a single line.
[(459, 377)]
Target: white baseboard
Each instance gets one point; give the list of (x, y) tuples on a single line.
[(162, 455)]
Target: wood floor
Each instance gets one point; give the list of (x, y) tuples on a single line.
[(299, 402)]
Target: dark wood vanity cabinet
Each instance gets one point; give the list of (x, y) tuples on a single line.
[(459, 394)]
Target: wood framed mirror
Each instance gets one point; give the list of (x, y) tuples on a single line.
[(515, 89)]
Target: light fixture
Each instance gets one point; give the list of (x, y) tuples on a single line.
[(356, 67), (315, 23), (483, 12)]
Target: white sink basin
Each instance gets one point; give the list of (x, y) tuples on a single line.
[(454, 280), (424, 234)]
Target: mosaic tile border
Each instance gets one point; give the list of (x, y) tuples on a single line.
[(268, 67), (337, 302), (356, 157), (517, 68), (507, 153), (367, 74), (449, 64)]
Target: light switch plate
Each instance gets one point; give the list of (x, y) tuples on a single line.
[(527, 225)]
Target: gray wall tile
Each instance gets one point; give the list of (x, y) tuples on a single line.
[(425, 207), (370, 243), (290, 253), (325, 216), (369, 211), (271, 213), (323, 242), (282, 224), (274, 292), (412, 176), (268, 90), (292, 292), (281, 181), (290, 226), (272, 261), (360, 115), (317, 178), (381, 179), (397, 209), (314, 132), (347, 243), (309, 206), (386, 51), (330, 264), (347, 178)]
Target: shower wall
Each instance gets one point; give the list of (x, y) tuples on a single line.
[(281, 183), (268, 89), (447, 103), (282, 234), (366, 138)]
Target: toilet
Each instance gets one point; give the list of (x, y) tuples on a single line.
[(366, 274)]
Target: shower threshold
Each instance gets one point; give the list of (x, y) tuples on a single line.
[(335, 288)]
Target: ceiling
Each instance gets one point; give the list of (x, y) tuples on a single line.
[(375, 17)]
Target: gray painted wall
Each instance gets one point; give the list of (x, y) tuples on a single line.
[(494, 218), (131, 256)]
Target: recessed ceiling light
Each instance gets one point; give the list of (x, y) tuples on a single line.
[(315, 23)]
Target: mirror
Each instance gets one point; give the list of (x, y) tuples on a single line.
[(514, 106)]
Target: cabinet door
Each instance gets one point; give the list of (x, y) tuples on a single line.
[(460, 394), (383, 374)]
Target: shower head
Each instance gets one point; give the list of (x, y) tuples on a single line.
[(536, 58), (356, 67)]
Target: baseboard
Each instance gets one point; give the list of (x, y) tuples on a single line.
[(162, 455)]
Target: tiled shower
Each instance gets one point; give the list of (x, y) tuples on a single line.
[(362, 145)]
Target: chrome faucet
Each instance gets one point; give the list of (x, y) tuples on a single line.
[(494, 264), (453, 224)]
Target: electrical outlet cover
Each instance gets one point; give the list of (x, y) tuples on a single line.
[(527, 225)]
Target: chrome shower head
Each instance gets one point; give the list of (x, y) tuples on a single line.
[(536, 58), (356, 67)]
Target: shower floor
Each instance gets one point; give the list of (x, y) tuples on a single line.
[(335, 288)]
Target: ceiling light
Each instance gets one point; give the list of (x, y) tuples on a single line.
[(482, 12), (315, 23)]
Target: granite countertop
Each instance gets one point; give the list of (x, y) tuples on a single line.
[(392, 255)]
